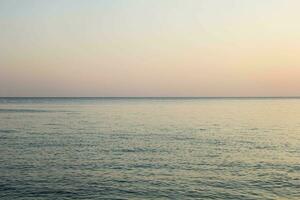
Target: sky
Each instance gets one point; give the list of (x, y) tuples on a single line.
[(149, 48)]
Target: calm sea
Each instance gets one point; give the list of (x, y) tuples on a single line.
[(149, 148)]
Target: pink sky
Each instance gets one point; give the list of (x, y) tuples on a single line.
[(150, 48)]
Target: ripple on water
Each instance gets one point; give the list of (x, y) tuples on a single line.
[(128, 150)]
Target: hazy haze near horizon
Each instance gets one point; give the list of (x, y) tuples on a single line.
[(149, 48)]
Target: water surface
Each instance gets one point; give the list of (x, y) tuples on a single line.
[(148, 148)]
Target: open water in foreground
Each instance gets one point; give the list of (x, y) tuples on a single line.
[(157, 148)]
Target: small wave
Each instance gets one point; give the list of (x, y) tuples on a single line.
[(7, 131), (254, 129), (140, 150), (52, 124), (21, 111), (27, 111)]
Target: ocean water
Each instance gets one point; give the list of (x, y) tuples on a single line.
[(149, 148)]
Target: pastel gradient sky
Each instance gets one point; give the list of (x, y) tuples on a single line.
[(150, 48)]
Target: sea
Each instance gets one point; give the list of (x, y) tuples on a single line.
[(149, 148)]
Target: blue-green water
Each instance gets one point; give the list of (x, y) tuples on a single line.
[(118, 148)]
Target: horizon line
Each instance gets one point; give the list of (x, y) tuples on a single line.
[(137, 97)]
